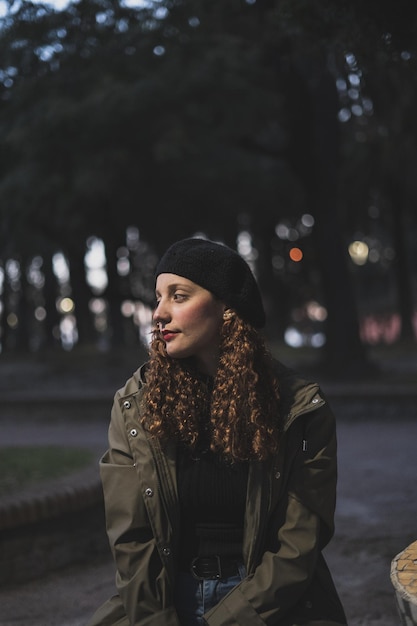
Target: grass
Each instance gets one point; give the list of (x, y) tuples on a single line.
[(22, 467)]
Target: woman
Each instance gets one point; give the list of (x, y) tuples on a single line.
[(220, 477)]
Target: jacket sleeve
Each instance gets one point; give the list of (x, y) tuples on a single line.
[(140, 580), (279, 583)]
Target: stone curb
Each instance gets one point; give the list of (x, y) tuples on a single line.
[(55, 525), (34, 507)]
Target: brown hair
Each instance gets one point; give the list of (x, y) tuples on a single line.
[(242, 408)]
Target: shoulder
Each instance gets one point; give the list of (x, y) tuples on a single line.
[(298, 395), (134, 384), (292, 384), (127, 403)]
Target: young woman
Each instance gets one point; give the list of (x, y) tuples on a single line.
[(220, 477)]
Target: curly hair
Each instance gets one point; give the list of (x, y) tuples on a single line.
[(240, 410)]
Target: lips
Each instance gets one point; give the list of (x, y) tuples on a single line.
[(168, 334)]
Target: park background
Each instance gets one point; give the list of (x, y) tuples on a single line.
[(285, 129)]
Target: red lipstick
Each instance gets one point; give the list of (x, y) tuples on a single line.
[(168, 335)]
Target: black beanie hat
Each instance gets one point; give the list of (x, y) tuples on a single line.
[(218, 269)]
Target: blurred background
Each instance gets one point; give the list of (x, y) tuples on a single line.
[(285, 129)]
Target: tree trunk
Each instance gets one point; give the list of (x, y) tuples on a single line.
[(402, 265), (113, 292), (50, 293), (315, 156), (81, 294)]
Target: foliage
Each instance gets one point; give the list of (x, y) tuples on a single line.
[(101, 103), (107, 103), (188, 116)]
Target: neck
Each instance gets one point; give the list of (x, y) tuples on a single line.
[(207, 366)]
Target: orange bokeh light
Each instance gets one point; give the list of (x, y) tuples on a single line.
[(296, 255)]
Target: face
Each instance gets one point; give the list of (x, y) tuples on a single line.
[(189, 319)]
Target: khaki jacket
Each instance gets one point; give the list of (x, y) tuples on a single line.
[(289, 520)]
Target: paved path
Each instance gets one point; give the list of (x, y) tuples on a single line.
[(376, 515), (21, 432)]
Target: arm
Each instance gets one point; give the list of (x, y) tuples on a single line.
[(140, 579), (297, 531)]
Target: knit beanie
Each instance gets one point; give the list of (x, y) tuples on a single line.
[(218, 269)]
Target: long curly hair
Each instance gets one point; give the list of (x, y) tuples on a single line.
[(240, 409)]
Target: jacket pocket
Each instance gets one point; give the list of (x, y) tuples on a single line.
[(126, 515)]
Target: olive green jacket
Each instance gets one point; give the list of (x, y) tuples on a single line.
[(289, 520)]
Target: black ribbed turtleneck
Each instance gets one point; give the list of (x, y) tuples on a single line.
[(212, 495)]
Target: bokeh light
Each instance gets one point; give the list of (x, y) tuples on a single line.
[(296, 255), (359, 251)]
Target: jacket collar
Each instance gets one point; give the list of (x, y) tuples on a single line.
[(298, 395)]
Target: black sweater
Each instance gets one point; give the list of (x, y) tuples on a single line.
[(212, 495)]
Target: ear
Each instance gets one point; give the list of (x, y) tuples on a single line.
[(228, 314)]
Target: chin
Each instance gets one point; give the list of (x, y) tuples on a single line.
[(178, 354)]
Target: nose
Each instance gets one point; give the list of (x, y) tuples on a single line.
[(161, 313)]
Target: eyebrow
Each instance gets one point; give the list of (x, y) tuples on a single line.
[(172, 287)]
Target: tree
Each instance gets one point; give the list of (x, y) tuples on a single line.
[(188, 116)]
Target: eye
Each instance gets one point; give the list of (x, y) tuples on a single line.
[(179, 297)]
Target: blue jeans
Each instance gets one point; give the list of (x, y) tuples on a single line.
[(194, 597)]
